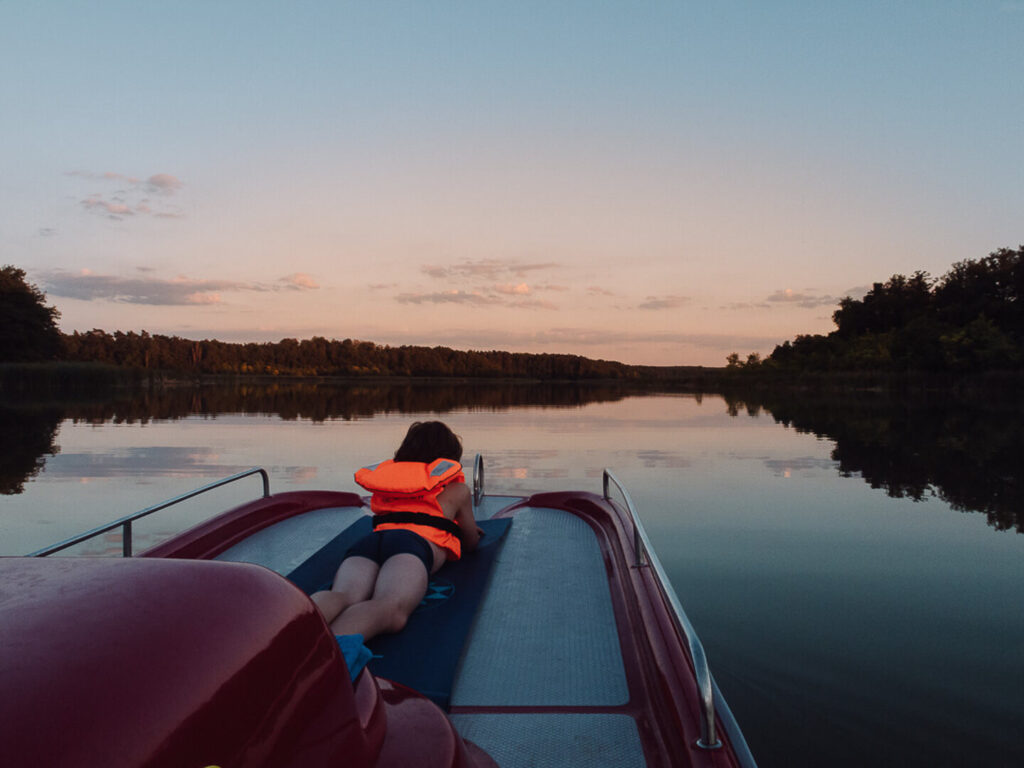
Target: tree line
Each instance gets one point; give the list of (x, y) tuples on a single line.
[(969, 320), (320, 356), (28, 333)]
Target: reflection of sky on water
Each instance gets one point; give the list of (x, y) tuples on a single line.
[(147, 461), (155, 461), (805, 465), (813, 592), (666, 459), (119, 468)]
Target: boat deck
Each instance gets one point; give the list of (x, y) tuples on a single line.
[(542, 680), (545, 638)]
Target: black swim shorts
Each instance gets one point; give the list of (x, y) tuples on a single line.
[(380, 545)]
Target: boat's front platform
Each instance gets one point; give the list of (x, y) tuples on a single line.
[(558, 642), (543, 683)]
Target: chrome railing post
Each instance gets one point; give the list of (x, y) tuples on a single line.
[(478, 480), (645, 551)]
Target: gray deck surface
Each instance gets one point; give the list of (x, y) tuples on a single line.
[(282, 547), (555, 740), (545, 634)]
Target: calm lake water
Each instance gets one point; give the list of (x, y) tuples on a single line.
[(854, 568)]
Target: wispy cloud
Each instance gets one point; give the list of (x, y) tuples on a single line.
[(485, 282), (663, 302), (521, 289), (298, 281), (108, 176), (803, 300), (448, 297), (159, 182), (484, 269), (86, 286), (518, 296), (532, 304), (595, 290), (132, 196), (163, 183)]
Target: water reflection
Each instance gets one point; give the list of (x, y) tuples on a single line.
[(29, 435), (30, 428), (323, 400), (964, 453), (143, 461), (967, 453)]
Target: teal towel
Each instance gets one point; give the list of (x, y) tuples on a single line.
[(356, 654)]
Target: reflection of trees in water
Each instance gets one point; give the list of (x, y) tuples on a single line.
[(966, 452), (29, 434), (30, 428), (318, 400)]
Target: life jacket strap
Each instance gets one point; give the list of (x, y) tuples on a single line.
[(418, 518)]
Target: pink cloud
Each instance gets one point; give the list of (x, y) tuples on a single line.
[(804, 300), (522, 289), (486, 269), (181, 290), (116, 210), (446, 297), (533, 304), (131, 199), (663, 302), (164, 182), (202, 298), (299, 281)]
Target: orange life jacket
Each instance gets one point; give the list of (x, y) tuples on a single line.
[(405, 498)]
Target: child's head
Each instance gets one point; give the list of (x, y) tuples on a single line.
[(428, 441)]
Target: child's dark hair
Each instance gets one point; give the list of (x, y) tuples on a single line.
[(428, 441)]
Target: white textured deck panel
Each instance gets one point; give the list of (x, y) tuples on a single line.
[(284, 546), (545, 634), (555, 740)]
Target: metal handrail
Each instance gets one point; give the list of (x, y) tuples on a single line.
[(125, 523), (478, 480), (643, 550)]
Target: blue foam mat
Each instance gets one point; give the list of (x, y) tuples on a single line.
[(423, 656)]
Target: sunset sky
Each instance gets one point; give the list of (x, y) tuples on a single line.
[(657, 183)]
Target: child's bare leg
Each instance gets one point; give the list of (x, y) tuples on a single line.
[(400, 586), (353, 583)]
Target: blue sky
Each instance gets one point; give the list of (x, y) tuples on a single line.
[(650, 182)]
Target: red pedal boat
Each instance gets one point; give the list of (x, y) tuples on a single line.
[(563, 645)]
